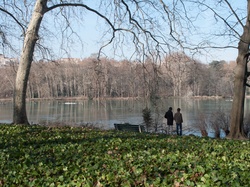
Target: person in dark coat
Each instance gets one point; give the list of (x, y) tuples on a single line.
[(170, 120)]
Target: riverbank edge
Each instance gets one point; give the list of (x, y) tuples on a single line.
[(114, 98)]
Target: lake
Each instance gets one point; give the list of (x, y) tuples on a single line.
[(108, 112)]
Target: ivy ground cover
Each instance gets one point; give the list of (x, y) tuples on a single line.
[(75, 156)]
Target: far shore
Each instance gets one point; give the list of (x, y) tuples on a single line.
[(113, 98)]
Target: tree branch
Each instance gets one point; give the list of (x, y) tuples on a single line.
[(13, 17), (135, 22), (216, 14), (100, 15), (84, 6), (248, 85), (237, 17), (247, 57)]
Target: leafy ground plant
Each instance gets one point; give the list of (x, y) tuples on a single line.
[(75, 156)]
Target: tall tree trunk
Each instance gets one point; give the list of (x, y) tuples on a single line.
[(20, 89), (237, 112)]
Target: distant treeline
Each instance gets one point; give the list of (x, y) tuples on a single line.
[(177, 75)]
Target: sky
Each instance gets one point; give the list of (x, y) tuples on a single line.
[(92, 31), (92, 37), (92, 42)]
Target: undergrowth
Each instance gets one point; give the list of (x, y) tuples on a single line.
[(76, 156)]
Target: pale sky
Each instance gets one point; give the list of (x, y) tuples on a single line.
[(91, 36), (92, 42)]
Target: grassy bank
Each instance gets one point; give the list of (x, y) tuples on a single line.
[(74, 156)]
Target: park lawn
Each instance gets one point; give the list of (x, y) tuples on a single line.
[(77, 156)]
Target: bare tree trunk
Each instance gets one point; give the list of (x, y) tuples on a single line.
[(31, 36), (237, 112)]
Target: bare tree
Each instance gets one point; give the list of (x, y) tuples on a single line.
[(241, 74), (196, 78), (176, 65), (236, 21), (216, 73), (133, 13)]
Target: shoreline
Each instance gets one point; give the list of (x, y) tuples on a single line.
[(115, 98)]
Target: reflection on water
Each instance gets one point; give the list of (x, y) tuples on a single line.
[(108, 112)]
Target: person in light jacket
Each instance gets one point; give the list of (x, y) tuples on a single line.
[(178, 120)]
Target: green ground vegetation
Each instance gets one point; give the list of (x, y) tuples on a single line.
[(76, 156)]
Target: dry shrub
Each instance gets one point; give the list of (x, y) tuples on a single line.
[(202, 124), (219, 120), (215, 125), (247, 126), (147, 118)]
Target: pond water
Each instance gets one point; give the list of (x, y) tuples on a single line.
[(108, 112)]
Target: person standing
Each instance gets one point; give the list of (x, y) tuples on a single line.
[(178, 119), (170, 120)]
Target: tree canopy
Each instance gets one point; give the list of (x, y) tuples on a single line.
[(134, 27)]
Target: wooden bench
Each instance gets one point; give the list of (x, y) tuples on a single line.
[(129, 127)]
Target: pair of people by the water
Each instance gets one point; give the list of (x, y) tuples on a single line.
[(177, 117)]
